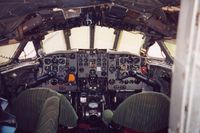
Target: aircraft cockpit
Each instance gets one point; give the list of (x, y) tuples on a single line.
[(91, 78), (85, 89)]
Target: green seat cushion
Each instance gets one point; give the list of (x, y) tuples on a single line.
[(143, 112), (28, 105)]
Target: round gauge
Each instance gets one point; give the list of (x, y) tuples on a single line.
[(72, 69), (112, 68), (47, 61), (93, 105), (104, 59), (72, 56), (47, 68), (80, 59), (122, 60), (61, 61), (85, 55), (86, 60), (92, 72), (130, 60), (54, 60), (55, 68), (136, 60), (99, 60)]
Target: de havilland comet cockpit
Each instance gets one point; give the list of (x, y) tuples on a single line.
[(86, 89)]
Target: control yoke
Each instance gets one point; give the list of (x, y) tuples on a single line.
[(41, 79), (156, 85)]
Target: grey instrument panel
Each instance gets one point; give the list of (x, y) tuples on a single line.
[(62, 64), (119, 66), (89, 62)]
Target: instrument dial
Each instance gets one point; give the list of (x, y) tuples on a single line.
[(61, 61), (47, 61)]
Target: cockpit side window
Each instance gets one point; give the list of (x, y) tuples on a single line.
[(130, 42), (156, 52), (6, 52), (171, 46), (54, 42), (28, 52)]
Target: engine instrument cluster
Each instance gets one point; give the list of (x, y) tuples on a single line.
[(64, 67), (119, 67)]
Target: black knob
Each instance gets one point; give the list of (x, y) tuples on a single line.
[(54, 81), (103, 73), (84, 82)]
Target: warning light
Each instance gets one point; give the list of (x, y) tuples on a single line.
[(71, 78)]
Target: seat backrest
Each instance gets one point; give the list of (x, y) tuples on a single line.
[(30, 106), (48, 119), (67, 115), (143, 112)]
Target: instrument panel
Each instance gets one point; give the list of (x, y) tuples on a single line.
[(92, 63), (119, 67), (64, 66), (91, 69)]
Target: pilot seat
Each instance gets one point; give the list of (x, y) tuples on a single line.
[(146, 112), (41, 110)]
